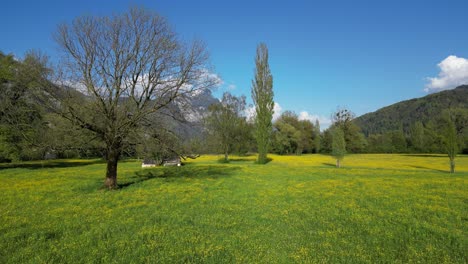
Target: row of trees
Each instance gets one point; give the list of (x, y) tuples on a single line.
[(293, 136), (423, 137), (29, 130)]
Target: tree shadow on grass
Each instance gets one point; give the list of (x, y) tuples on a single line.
[(240, 159), (425, 155), (267, 161), (174, 173), (427, 168), (50, 164), (329, 164)]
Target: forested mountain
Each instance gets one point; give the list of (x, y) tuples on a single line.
[(404, 114)]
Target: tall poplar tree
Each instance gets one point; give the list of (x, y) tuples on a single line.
[(262, 95)]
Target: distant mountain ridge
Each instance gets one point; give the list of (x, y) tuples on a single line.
[(405, 113)]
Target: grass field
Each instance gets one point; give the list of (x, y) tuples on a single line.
[(377, 208)]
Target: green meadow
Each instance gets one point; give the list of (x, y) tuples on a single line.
[(295, 209)]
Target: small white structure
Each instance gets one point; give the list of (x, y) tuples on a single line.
[(148, 163), (172, 162)]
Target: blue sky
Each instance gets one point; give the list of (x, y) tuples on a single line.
[(363, 55)]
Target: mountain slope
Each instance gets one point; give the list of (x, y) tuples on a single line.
[(406, 113)]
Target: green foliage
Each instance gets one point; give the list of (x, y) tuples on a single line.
[(291, 135), (326, 141), (317, 137), (398, 141), (432, 138), (307, 135), (8, 66), (67, 140), (389, 142), (338, 145), (406, 113), (262, 96), (244, 142), (459, 117), (423, 138), (285, 138), (417, 137), (378, 143), (355, 140), (417, 122), (450, 140), (10, 150), (21, 107)]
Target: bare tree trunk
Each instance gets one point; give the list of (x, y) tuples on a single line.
[(126, 68), (452, 165), (338, 163), (113, 155)]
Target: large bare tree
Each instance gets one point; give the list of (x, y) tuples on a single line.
[(126, 67)]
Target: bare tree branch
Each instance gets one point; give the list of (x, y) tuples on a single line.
[(129, 66)]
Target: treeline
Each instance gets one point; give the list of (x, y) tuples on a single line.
[(291, 136), (423, 137), (29, 130)]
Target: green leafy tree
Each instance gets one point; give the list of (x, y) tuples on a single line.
[(262, 95), (8, 66), (21, 111), (286, 137), (317, 137), (306, 143), (338, 145), (226, 123), (244, 141), (291, 135), (460, 119), (355, 140), (433, 141), (451, 142), (417, 137), (398, 140), (326, 141), (65, 140)]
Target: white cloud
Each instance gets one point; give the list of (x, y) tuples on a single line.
[(453, 72), (250, 112), (205, 79), (325, 122), (213, 77), (277, 111), (231, 87)]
